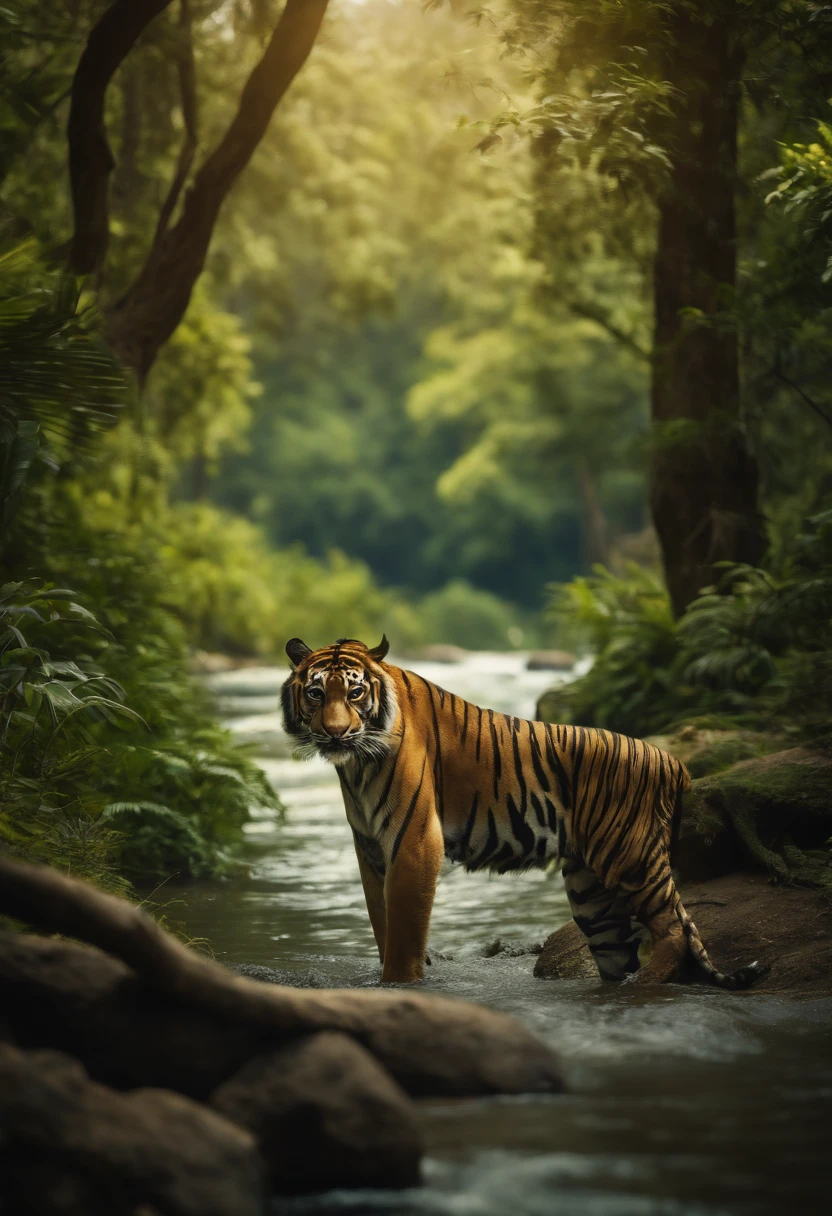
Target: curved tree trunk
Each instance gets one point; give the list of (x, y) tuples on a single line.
[(152, 307), (704, 479), (150, 310)]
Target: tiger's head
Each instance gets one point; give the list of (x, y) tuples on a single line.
[(339, 702)]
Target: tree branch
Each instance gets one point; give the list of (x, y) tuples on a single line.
[(813, 405), (90, 159), (186, 71), (155, 303), (597, 315)]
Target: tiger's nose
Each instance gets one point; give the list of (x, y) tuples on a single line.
[(336, 729)]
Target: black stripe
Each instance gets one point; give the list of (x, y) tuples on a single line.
[(577, 760), (388, 785), (518, 771), (584, 897), (437, 760), (604, 787), (521, 831), (534, 746), (490, 840), (498, 763), (408, 815), (469, 827), (464, 723), (506, 853), (556, 765), (411, 696), (538, 809), (479, 730), (645, 894), (552, 815), (562, 842)]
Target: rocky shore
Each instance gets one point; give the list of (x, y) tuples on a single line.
[(139, 1078), (741, 917)]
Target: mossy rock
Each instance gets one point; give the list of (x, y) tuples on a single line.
[(777, 811), (707, 750)]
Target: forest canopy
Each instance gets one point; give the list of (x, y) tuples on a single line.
[(374, 315)]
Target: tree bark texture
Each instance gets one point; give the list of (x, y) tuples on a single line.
[(153, 306), (704, 478), (90, 159)]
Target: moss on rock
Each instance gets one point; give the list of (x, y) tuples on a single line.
[(779, 809)]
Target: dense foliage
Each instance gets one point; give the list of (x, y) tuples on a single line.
[(417, 381), (111, 765), (754, 649)]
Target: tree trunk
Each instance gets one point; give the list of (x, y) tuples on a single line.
[(704, 479), (153, 306), (90, 159), (594, 524)]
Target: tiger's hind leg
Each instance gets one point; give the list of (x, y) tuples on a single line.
[(655, 901), (617, 941)]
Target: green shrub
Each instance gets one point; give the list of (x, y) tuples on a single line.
[(754, 649), (98, 785), (627, 624), (466, 616)]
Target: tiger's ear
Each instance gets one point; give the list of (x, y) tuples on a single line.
[(378, 652), (297, 651)]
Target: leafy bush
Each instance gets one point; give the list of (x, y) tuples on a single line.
[(59, 385), (466, 616), (755, 648), (627, 624), (76, 789)]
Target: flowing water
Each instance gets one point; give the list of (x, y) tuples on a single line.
[(682, 1101)]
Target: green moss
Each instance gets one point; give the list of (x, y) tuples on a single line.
[(766, 800), (787, 780)]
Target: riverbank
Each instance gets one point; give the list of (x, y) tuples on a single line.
[(741, 917)]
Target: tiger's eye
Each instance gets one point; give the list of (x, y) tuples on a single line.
[(357, 692), (314, 693)]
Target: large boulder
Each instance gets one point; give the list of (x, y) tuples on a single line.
[(550, 660), (128, 1032), (325, 1115), (767, 811), (77, 999), (741, 917), (71, 1147), (431, 1045), (442, 652)]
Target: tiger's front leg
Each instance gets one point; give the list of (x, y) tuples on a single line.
[(372, 880), (409, 888)]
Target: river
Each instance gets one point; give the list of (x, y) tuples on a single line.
[(683, 1101)]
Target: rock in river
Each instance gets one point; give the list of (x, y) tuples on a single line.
[(71, 1146), (550, 660), (325, 1115)]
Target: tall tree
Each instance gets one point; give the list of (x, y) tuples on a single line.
[(150, 309), (649, 93), (704, 480)]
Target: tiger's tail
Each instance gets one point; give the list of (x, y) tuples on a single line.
[(743, 977)]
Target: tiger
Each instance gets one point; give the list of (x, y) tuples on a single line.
[(426, 776)]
